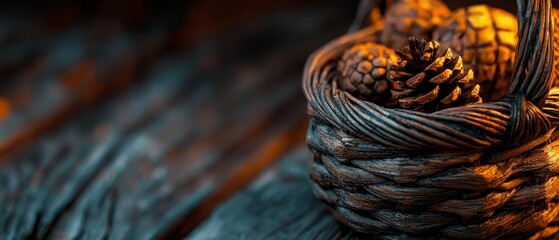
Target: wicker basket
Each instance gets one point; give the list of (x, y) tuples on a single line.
[(483, 172)]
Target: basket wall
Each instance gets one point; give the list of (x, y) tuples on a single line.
[(473, 195)]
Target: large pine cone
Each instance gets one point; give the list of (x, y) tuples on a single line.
[(486, 38), (418, 18), (425, 82), (364, 70)]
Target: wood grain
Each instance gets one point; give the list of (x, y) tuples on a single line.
[(54, 76), (277, 205), (154, 161)]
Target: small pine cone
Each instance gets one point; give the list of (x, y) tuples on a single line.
[(364, 71), (417, 18), (426, 82), (486, 38)]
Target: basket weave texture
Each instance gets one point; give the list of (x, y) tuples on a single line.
[(484, 171)]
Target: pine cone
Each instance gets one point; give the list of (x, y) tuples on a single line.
[(425, 82), (486, 38), (417, 18), (364, 71)]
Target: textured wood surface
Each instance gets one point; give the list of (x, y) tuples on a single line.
[(51, 75), (152, 159), (278, 205)]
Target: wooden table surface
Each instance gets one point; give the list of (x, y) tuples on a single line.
[(164, 122), (137, 127)]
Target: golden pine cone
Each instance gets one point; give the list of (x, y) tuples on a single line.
[(363, 71), (486, 39), (418, 18), (426, 82)]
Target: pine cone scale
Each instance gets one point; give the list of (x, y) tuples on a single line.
[(429, 97), (365, 67), (452, 97), (437, 65), (367, 80), (469, 77), (421, 100), (442, 78), (416, 80)]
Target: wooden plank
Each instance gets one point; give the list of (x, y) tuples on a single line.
[(57, 59), (64, 74), (278, 205), (146, 163), (61, 165)]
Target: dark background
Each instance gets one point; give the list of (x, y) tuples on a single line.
[(135, 119)]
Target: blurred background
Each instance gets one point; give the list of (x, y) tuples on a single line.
[(155, 110)]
